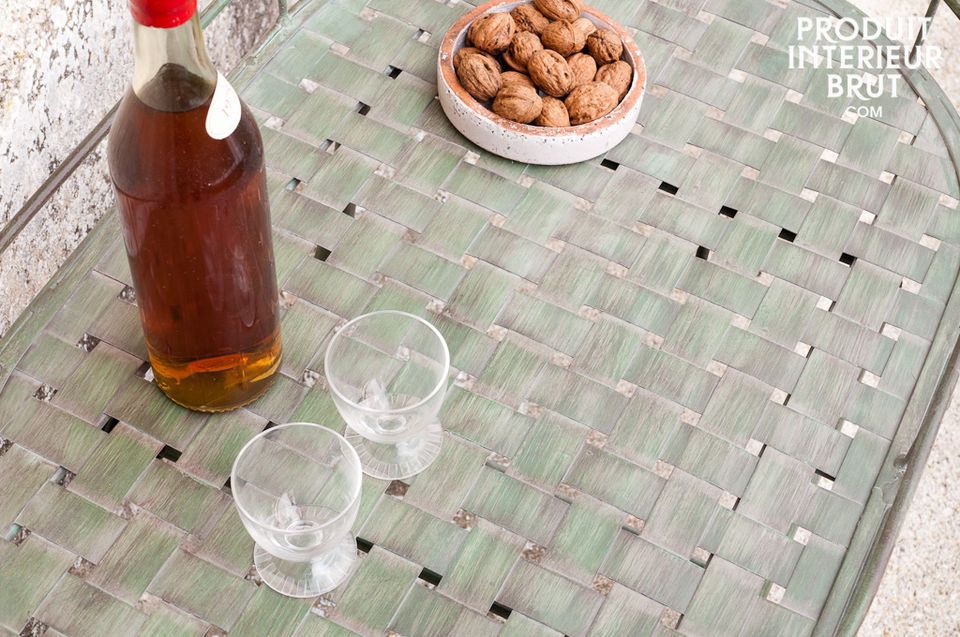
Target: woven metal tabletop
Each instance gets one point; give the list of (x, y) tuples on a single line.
[(695, 379)]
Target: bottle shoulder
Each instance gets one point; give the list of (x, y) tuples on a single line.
[(152, 153)]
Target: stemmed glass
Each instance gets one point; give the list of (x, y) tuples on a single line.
[(297, 489), (387, 372)]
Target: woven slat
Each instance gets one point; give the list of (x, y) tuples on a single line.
[(682, 374)]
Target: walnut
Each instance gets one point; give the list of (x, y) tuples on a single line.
[(469, 50), (560, 9), (584, 26), (523, 46), (567, 38), (590, 101), (554, 113), (605, 46), (619, 75), (513, 77), (518, 103), (551, 73), (480, 76), (529, 19), (583, 67), (492, 33)]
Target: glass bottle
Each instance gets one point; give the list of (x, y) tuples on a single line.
[(186, 160)]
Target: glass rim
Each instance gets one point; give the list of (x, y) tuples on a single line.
[(263, 434), (440, 384)]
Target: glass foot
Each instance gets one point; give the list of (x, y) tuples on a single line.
[(403, 460), (307, 579)]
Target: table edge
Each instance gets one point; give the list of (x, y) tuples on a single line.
[(868, 553)]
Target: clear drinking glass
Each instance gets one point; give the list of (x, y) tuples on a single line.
[(387, 372), (297, 488)]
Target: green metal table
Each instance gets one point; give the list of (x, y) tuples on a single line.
[(695, 379)]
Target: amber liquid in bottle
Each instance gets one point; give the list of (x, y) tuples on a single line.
[(196, 226)]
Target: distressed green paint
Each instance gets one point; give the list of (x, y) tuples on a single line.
[(672, 378), (482, 292), (664, 377), (108, 474), (681, 514), (135, 558), (94, 381), (76, 608), (583, 539), (51, 360), (442, 487), (56, 435), (427, 613), (270, 613), (482, 566), (211, 454), (652, 571), (413, 533), (167, 621), (541, 212), (548, 449), (71, 521), (174, 496), (625, 612), (22, 473), (452, 227), (544, 323), (398, 203), (516, 506), (519, 625), (766, 552), (424, 271), (604, 475), (578, 398), (143, 406), (486, 422), (648, 430), (27, 573), (390, 576), (551, 599), (228, 544), (202, 589)]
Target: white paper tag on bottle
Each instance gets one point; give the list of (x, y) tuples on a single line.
[(224, 113)]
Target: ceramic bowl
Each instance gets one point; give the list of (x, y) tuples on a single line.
[(536, 144)]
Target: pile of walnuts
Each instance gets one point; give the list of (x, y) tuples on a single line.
[(543, 64)]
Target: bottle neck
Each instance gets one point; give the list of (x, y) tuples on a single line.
[(171, 69)]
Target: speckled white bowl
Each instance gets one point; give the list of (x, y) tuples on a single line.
[(536, 144)]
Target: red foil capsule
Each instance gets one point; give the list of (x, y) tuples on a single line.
[(162, 14)]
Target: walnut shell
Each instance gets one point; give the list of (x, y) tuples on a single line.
[(551, 73), (492, 33), (567, 38), (514, 77), (480, 76), (584, 26), (590, 101), (560, 9), (523, 46), (554, 113), (619, 75), (584, 68), (469, 50), (518, 103), (529, 19), (605, 46)]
